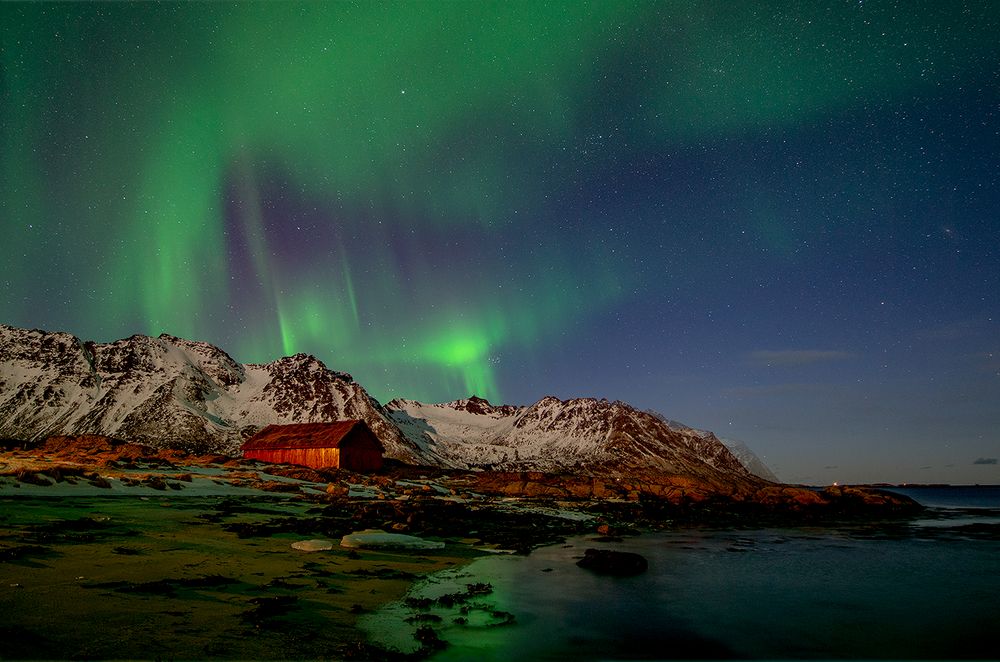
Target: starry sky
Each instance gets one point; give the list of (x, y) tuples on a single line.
[(776, 220)]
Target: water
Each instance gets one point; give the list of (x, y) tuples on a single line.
[(957, 496), (921, 589)]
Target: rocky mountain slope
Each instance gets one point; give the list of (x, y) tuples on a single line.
[(170, 392), (578, 435), (750, 460), (739, 449)]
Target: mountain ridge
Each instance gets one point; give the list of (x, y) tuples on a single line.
[(587, 435), (739, 449), (168, 391)]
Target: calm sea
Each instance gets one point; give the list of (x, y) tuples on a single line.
[(926, 588)]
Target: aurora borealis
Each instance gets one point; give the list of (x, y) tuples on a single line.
[(778, 221)]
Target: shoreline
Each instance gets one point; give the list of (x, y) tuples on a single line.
[(127, 552), (729, 593), (112, 557)]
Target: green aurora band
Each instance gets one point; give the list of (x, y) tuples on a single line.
[(284, 177)]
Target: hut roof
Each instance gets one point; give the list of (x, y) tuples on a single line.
[(302, 435)]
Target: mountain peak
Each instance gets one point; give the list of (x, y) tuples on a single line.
[(302, 362), (170, 392), (475, 405)]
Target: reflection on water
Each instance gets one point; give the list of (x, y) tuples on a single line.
[(916, 589)]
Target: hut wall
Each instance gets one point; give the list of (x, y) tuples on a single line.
[(360, 450), (307, 457), (361, 458)]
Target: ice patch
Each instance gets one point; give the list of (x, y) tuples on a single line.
[(312, 545), (375, 539)]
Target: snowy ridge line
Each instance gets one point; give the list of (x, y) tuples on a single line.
[(171, 392), (553, 435)]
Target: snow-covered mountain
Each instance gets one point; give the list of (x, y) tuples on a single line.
[(170, 392), (739, 449), (555, 435)]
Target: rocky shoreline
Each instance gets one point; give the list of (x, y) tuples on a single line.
[(234, 530)]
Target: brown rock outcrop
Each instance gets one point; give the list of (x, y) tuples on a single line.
[(675, 489)]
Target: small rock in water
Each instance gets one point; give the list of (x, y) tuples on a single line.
[(312, 545), (376, 539), (610, 562)]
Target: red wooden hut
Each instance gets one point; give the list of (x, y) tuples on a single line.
[(345, 444)]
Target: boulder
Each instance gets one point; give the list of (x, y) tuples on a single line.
[(337, 490), (611, 562), (275, 486)]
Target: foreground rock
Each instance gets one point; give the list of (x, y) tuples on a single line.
[(611, 562)]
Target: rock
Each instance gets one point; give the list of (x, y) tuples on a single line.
[(863, 499), (297, 473), (267, 608), (610, 562), (337, 490), (101, 482), (429, 639), (614, 533), (275, 486), (788, 496), (32, 478), (61, 473), (312, 545), (376, 539)]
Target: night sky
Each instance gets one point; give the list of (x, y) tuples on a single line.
[(776, 220)]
